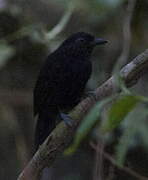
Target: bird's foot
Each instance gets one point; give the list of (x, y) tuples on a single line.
[(91, 94), (67, 119)]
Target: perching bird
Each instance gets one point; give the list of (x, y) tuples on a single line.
[(62, 81)]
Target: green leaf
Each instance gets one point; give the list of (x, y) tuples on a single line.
[(87, 124), (135, 122), (119, 111)]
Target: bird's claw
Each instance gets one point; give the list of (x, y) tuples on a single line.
[(91, 94), (68, 121)]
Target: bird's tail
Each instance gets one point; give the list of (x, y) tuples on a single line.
[(46, 122)]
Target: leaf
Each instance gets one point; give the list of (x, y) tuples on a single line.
[(134, 124), (6, 52), (87, 124), (119, 111)]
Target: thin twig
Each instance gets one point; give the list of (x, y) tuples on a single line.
[(124, 168), (126, 32), (43, 36), (62, 23), (98, 170)]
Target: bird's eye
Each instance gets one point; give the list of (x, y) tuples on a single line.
[(80, 40)]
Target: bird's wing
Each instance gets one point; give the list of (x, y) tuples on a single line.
[(44, 88), (40, 93)]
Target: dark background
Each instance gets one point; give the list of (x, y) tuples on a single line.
[(23, 48)]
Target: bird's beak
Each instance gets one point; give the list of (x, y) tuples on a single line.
[(98, 41)]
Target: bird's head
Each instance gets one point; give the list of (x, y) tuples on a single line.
[(81, 44)]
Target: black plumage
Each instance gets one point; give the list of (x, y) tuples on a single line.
[(61, 81)]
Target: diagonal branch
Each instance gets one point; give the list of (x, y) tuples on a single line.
[(62, 135), (113, 161)]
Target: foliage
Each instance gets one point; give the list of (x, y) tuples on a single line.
[(118, 111), (87, 124), (24, 26), (132, 133)]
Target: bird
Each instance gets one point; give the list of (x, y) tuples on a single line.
[(61, 82)]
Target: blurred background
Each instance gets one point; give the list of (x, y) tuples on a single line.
[(29, 31)]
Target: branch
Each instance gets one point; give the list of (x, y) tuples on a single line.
[(39, 32), (62, 135), (62, 23), (112, 160), (127, 32)]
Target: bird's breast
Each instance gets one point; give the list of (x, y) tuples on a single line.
[(72, 83)]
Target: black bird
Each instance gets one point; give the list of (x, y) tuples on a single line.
[(62, 80)]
